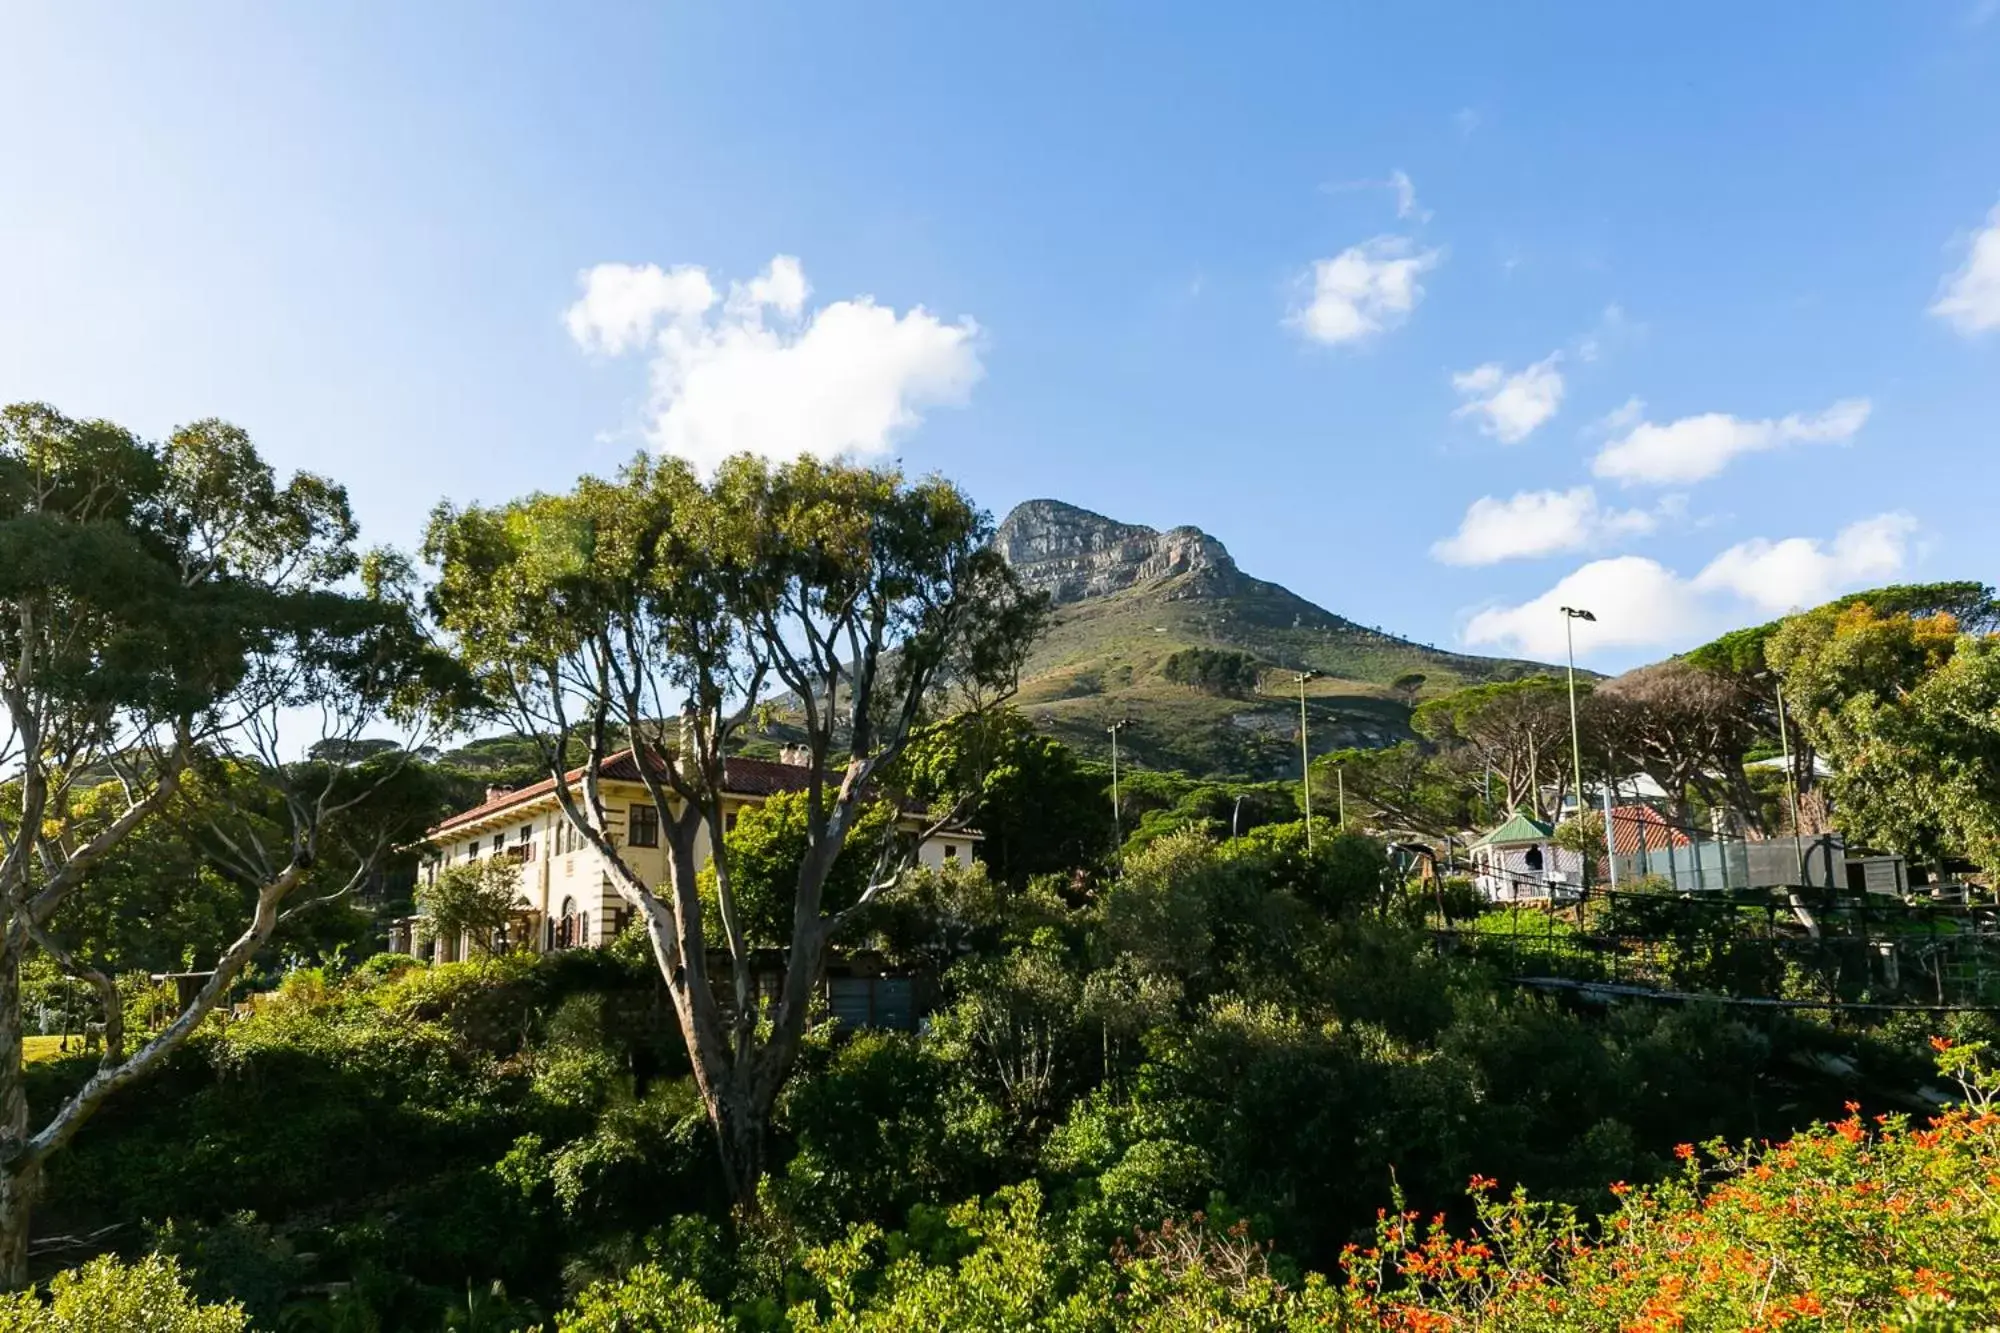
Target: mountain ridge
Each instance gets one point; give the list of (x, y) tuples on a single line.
[(1165, 629)]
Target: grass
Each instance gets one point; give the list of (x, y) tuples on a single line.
[(34, 1050), (1101, 661)]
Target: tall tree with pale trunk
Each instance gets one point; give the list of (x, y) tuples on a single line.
[(166, 608), (665, 612)]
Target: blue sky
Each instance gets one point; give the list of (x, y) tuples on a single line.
[(1440, 315)]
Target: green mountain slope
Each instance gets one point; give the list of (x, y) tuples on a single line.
[(1164, 629)]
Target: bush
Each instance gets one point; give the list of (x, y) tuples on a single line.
[(1843, 1226), (106, 1296)]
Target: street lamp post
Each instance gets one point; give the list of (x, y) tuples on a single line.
[(1117, 823), (1305, 755), (1571, 615)]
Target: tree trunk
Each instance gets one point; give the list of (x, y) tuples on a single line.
[(739, 1139), (20, 1177)]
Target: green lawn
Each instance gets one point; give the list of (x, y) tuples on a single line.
[(49, 1048)]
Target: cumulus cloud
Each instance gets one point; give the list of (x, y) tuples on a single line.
[(1640, 603), (1363, 290), (1696, 448), (1510, 407), (1799, 572), (1971, 298), (624, 305), (1536, 523), (756, 372)]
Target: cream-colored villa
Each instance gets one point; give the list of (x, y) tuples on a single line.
[(566, 898)]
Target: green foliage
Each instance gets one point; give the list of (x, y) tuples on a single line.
[(471, 898), (1168, 803), (1041, 809), (1400, 786), (1214, 671), (1903, 706), (105, 1296), (1516, 729), (645, 1300), (766, 849)]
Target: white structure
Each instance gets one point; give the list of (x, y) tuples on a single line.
[(567, 899), (1520, 861)]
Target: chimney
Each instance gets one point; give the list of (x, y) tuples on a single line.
[(798, 756), (495, 793)]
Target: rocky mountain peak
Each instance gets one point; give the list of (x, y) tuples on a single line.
[(1071, 553)]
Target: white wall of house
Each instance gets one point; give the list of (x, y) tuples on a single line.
[(561, 877)]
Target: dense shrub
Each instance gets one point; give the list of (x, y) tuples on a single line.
[(105, 1296), (1213, 671), (1845, 1225)]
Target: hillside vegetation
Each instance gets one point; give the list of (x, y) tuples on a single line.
[(1130, 602)]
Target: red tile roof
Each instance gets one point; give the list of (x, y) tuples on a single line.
[(1636, 825), (741, 776)]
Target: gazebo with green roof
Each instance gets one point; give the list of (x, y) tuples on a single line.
[(1521, 860), (1519, 829)]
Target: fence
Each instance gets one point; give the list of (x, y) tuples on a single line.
[(1814, 943)]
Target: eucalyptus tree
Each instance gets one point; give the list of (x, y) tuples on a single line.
[(667, 613), (167, 609)]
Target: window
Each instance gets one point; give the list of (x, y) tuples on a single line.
[(642, 826), (729, 822), (525, 839), (499, 843), (951, 851), (472, 850)]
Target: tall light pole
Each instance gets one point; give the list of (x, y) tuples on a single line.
[(1117, 824), (1305, 755), (1571, 615), (1791, 785)]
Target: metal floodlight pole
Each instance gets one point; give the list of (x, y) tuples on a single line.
[(1571, 615), (1792, 788), (1305, 756), (1117, 822)]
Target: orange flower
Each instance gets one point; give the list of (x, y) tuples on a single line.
[(1684, 1151)]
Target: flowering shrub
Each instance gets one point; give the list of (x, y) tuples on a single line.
[(1849, 1225)]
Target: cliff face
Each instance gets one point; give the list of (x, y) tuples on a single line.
[(1073, 554)]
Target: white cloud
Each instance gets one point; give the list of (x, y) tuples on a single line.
[(1535, 523), (1640, 603), (1406, 196), (782, 286), (1363, 290), (1510, 407), (623, 304), (1800, 572), (1971, 299), (1467, 120), (1695, 448), (1622, 417), (763, 375)]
